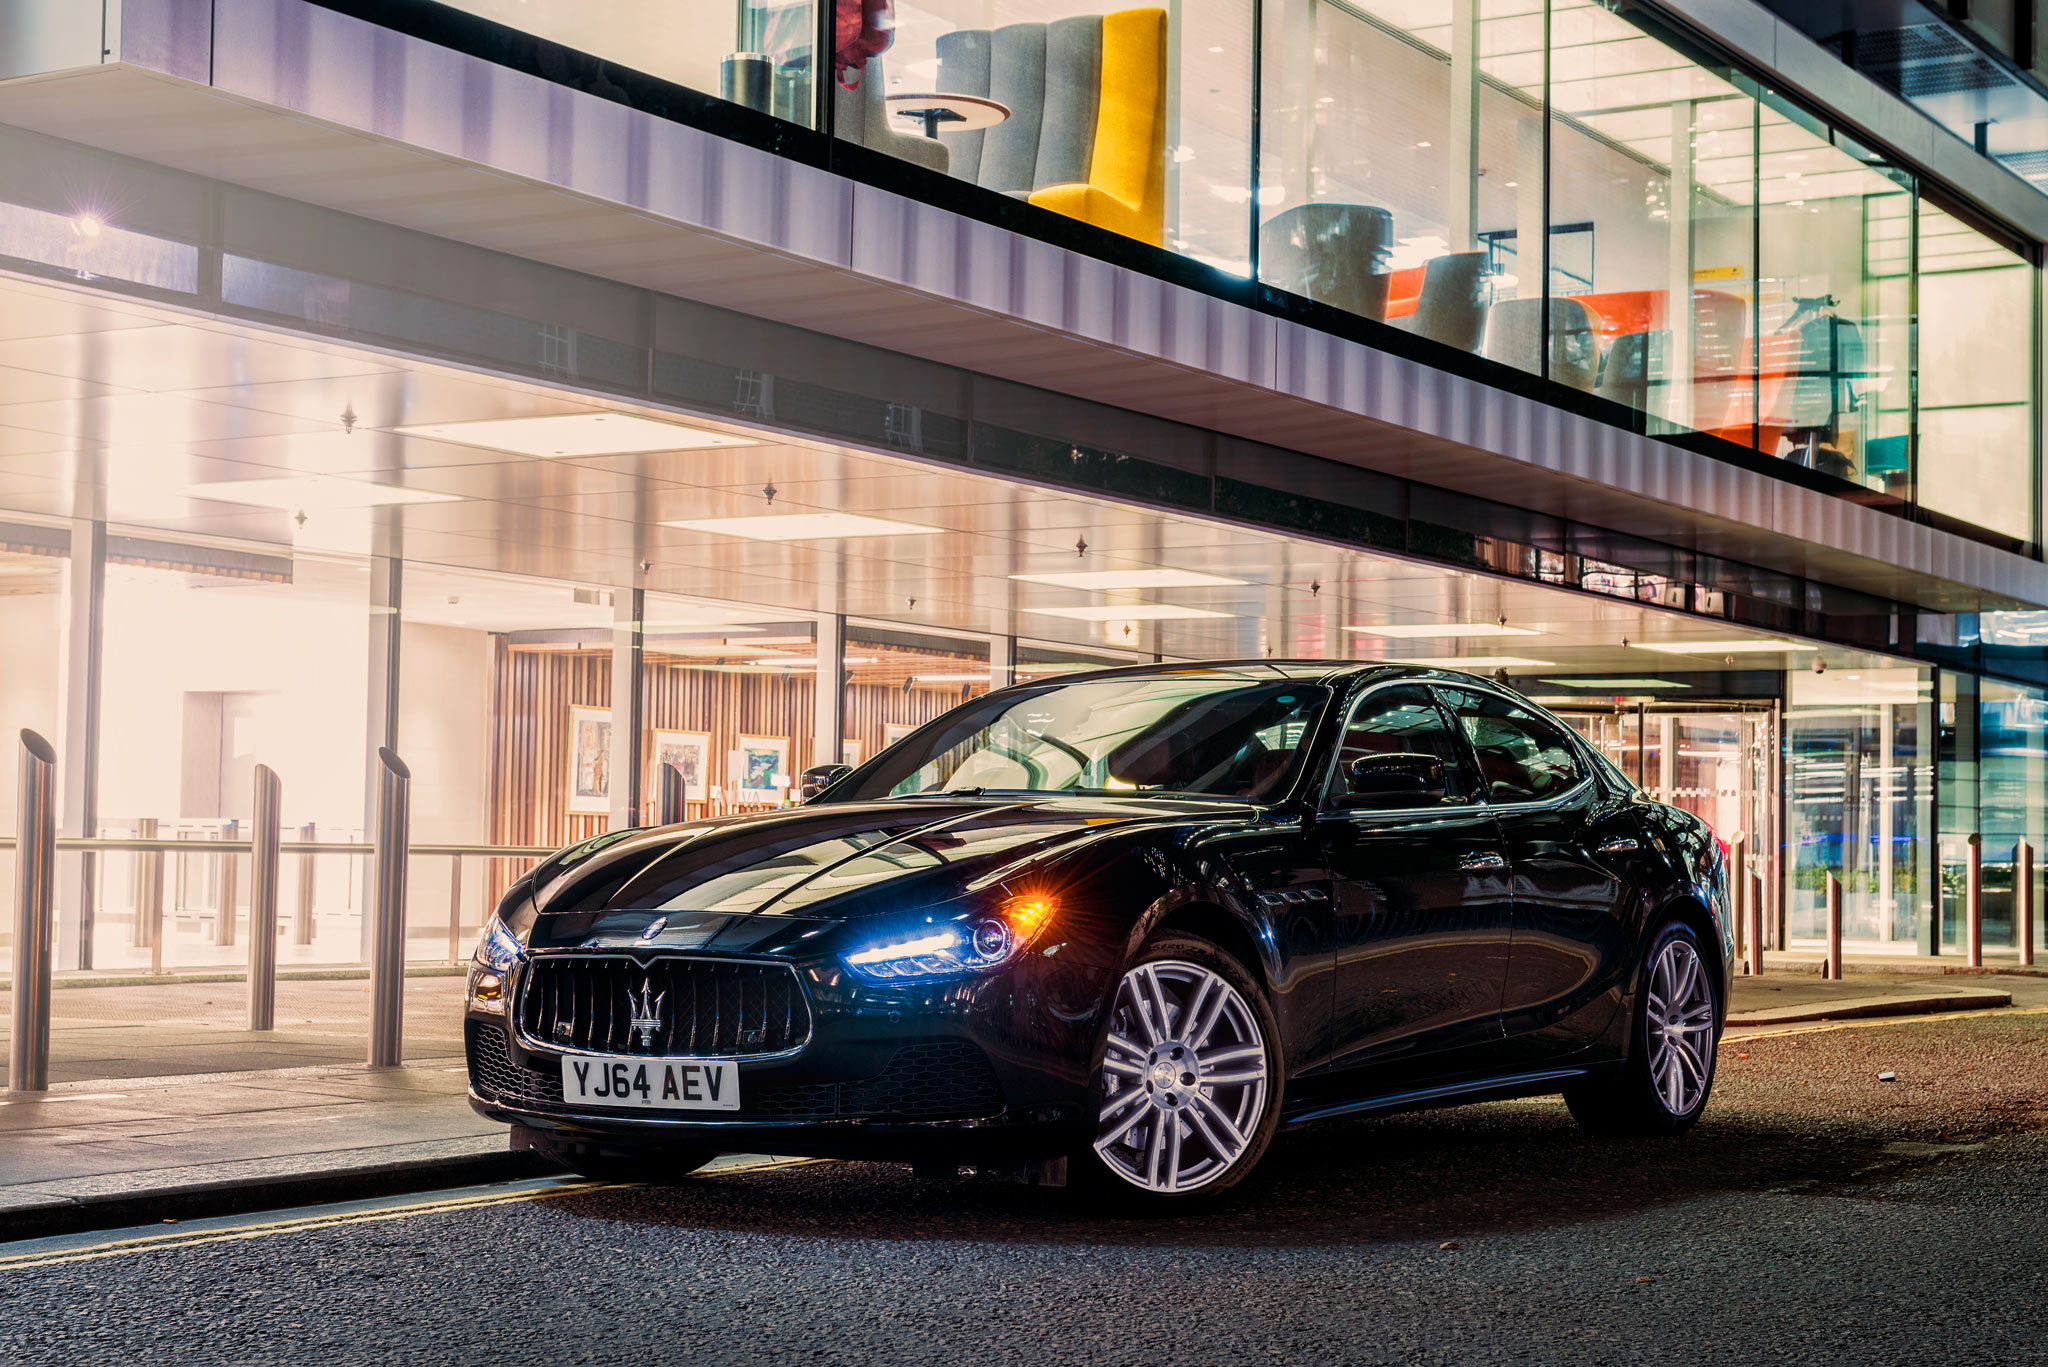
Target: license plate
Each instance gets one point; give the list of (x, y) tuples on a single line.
[(652, 1084)]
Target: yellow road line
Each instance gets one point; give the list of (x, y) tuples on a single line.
[(1873, 1022), (307, 1223)]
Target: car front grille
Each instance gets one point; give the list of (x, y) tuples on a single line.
[(604, 1004), (935, 1080)]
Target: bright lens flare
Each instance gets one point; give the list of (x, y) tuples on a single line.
[(908, 949), (1028, 913)]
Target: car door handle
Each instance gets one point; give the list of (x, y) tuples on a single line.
[(1621, 844), (1479, 860)]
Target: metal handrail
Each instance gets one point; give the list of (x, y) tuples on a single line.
[(138, 845)]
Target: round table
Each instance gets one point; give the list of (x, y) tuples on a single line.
[(960, 113)]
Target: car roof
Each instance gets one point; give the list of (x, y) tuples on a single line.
[(1253, 671)]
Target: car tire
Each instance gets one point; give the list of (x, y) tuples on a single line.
[(1187, 1084), (1664, 1084), (646, 1167)]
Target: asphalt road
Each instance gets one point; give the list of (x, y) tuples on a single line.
[(1817, 1215)]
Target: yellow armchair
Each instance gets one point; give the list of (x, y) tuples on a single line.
[(1126, 188)]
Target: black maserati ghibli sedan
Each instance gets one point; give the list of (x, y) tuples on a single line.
[(1117, 929)]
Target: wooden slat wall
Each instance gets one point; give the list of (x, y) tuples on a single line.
[(530, 742), (727, 705), (868, 706), (536, 687)]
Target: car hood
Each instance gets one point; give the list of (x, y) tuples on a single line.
[(740, 883)]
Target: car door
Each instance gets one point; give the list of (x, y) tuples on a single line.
[(1423, 908), (1572, 944)]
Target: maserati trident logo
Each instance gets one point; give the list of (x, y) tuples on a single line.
[(646, 1011)]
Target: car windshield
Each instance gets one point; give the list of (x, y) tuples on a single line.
[(1195, 733)]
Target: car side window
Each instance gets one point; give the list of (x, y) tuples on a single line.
[(1403, 720), (1522, 757)]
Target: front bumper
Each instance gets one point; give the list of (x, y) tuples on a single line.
[(985, 1069)]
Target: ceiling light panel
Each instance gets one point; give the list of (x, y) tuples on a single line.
[(325, 493), (802, 526), (576, 434), (1750, 646), (1128, 612), (1452, 631), (1472, 662), (1129, 579), (1621, 685)]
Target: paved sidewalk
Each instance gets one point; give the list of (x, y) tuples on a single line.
[(113, 1143), (125, 1028)]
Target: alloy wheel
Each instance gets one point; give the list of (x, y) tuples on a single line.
[(1679, 1027), (1184, 1077)]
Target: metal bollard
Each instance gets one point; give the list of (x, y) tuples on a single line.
[(455, 955), (1973, 903), (264, 837), (1738, 891), (35, 889), (2023, 901), (387, 930), (672, 790), (149, 887), (309, 882), (1756, 925), (230, 890), (1833, 967)]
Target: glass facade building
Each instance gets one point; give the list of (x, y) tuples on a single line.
[(295, 463)]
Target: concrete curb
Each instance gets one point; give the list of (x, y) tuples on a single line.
[(1858, 1008), (119, 1210), (1904, 968)]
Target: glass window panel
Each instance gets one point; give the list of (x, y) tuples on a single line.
[(731, 694), (757, 54), (1859, 788), (1653, 225), (1833, 307), (214, 662), (896, 681), (1401, 165), (2012, 777), (1976, 363), (34, 572), (1037, 663), (1135, 120)]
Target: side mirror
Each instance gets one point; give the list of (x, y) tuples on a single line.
[(1401, 780), (818, 778)]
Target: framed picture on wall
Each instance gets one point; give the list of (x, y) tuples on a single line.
[(895, 731), (689, 751), (590, 759), (849, 752), (762, 760)]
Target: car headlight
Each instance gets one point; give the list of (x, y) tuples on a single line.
[(496, 951), (976, 942)]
